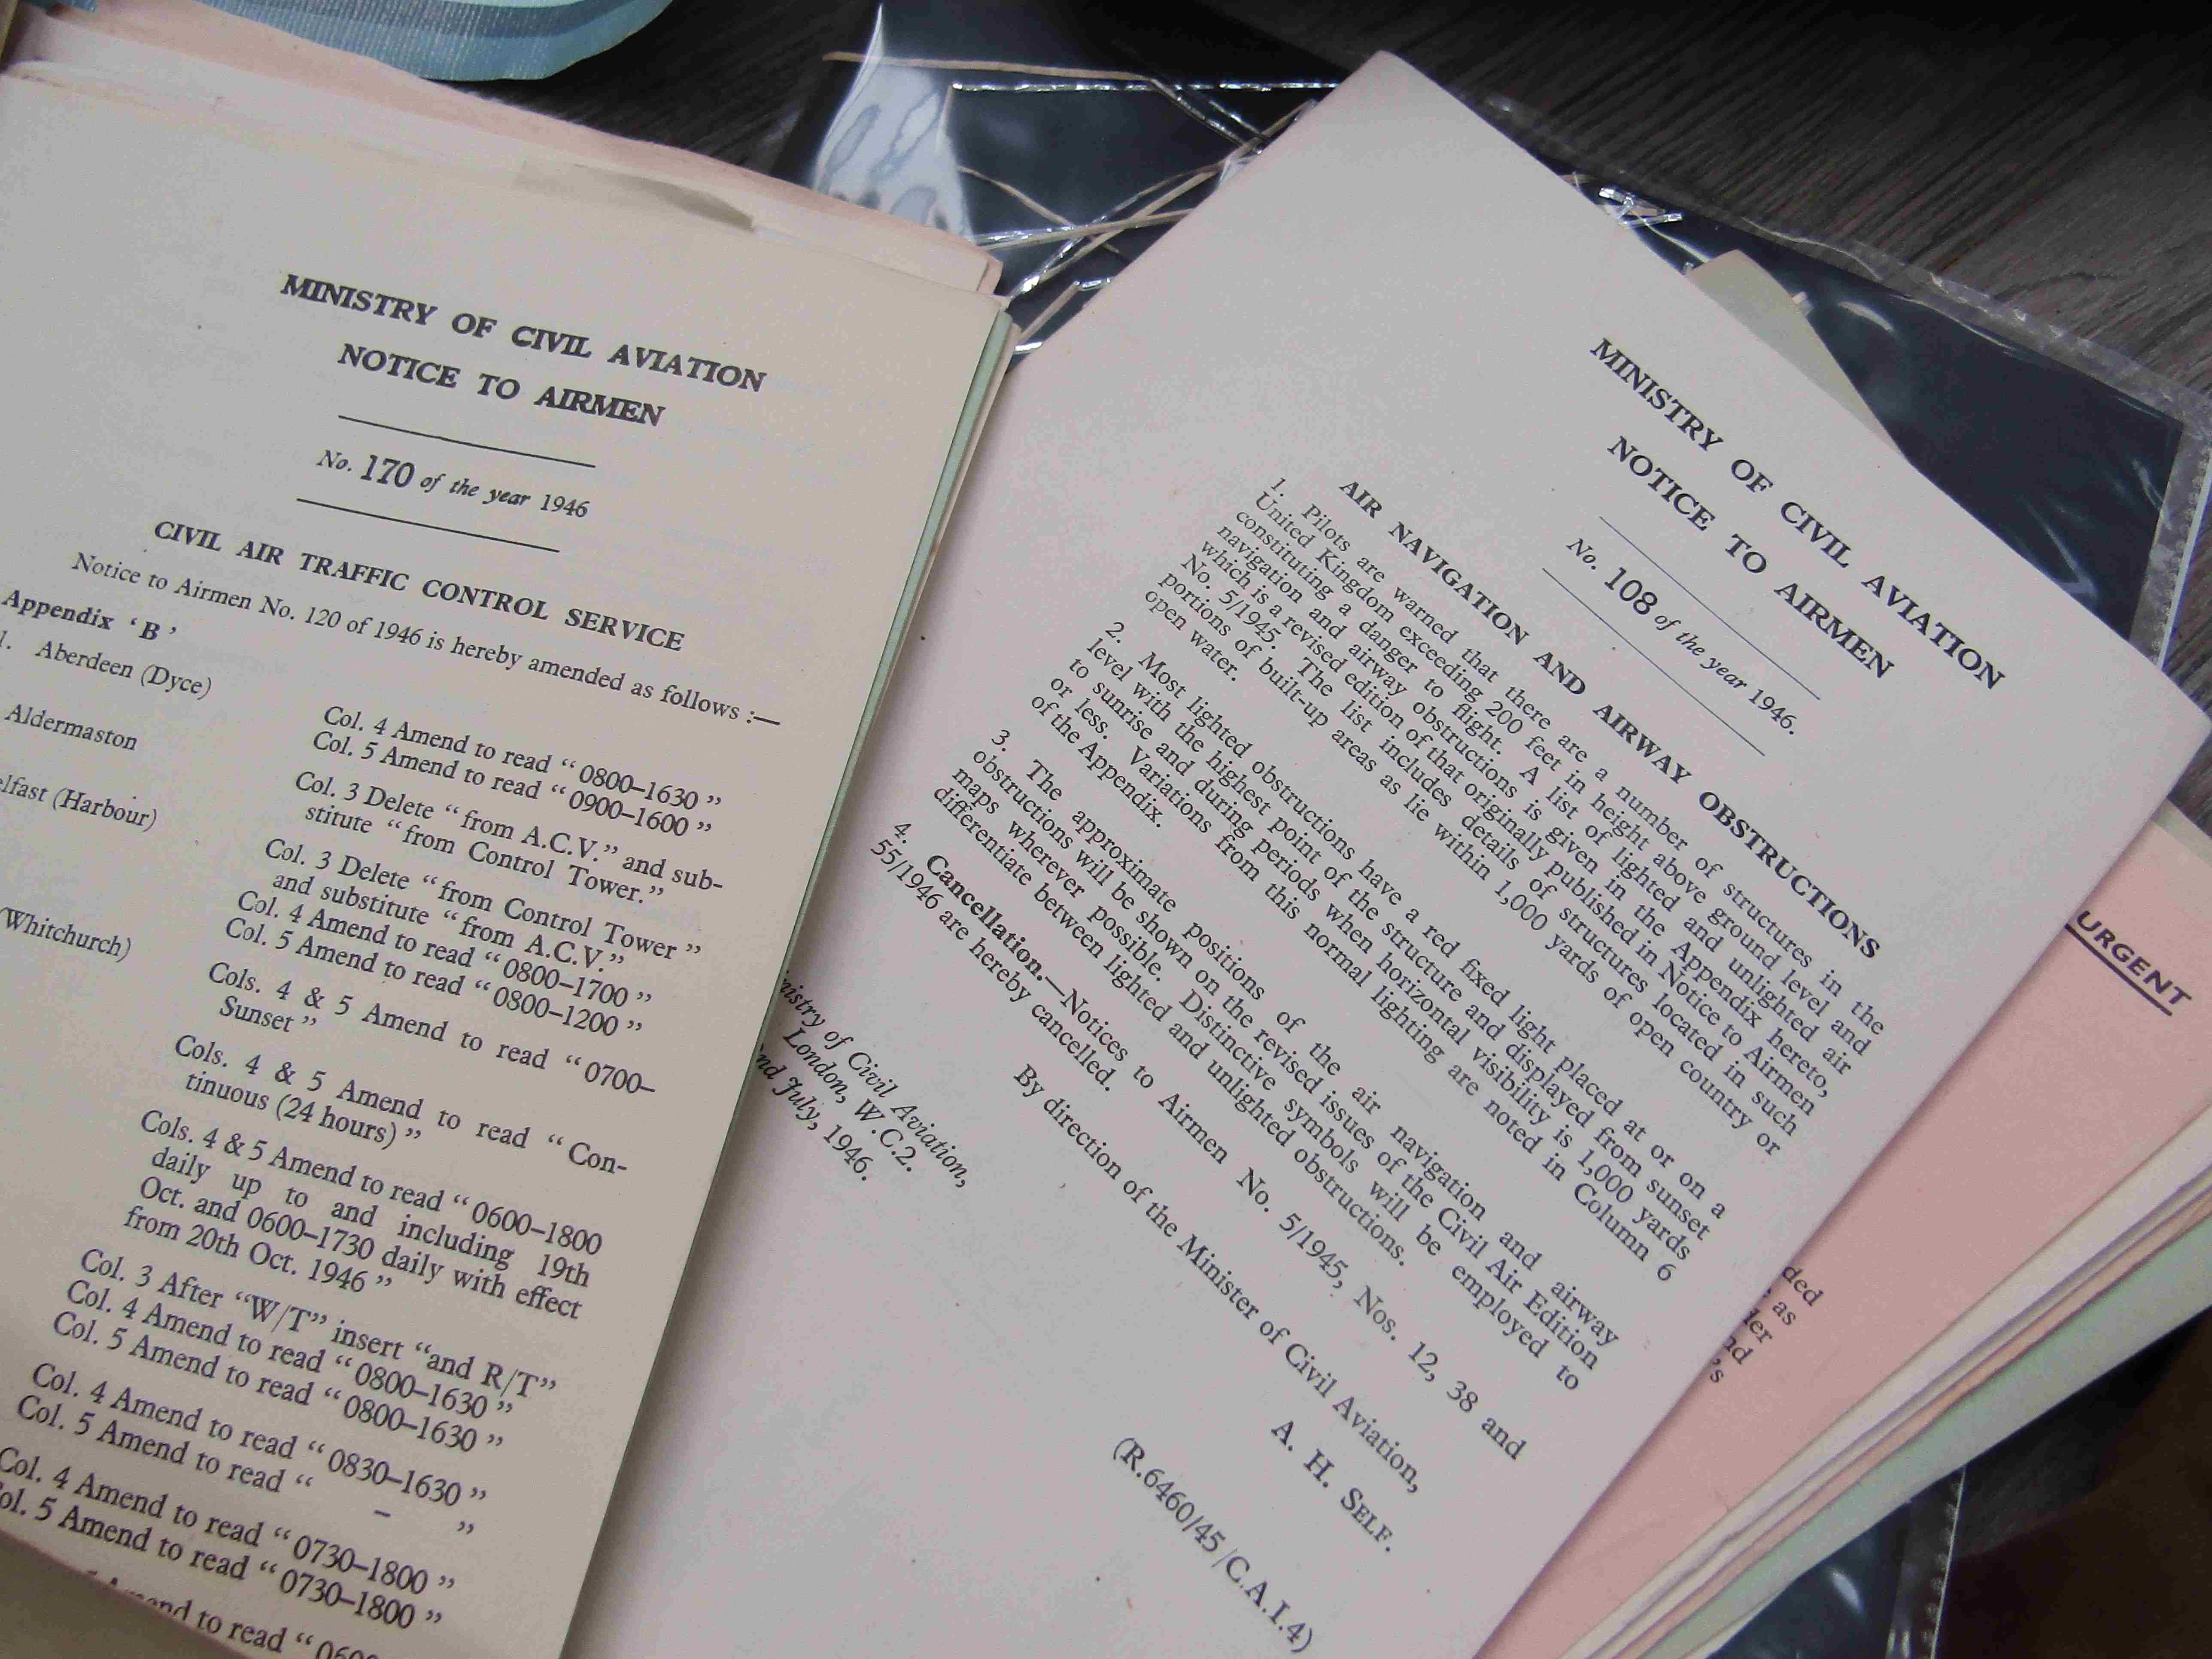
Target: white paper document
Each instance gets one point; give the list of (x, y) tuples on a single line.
[(435, 623), (1444, 806)]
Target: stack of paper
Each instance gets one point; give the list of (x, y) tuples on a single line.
[(2067, 1147), (1831, 1419), (1445, 809), (445, 585), (1459, 935)]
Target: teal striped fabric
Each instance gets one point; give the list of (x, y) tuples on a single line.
[(457, 39)]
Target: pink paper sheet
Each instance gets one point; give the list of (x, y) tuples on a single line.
[(2077, 1080), (1809, 1503)]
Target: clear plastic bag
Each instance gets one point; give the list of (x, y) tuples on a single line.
[(1063, 141), (1880, 1596), (1068, 140)]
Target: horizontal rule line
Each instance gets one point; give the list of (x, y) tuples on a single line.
[(1653, 661), (2121, 973), (1709, 610), (476, 535), (469, 443)]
